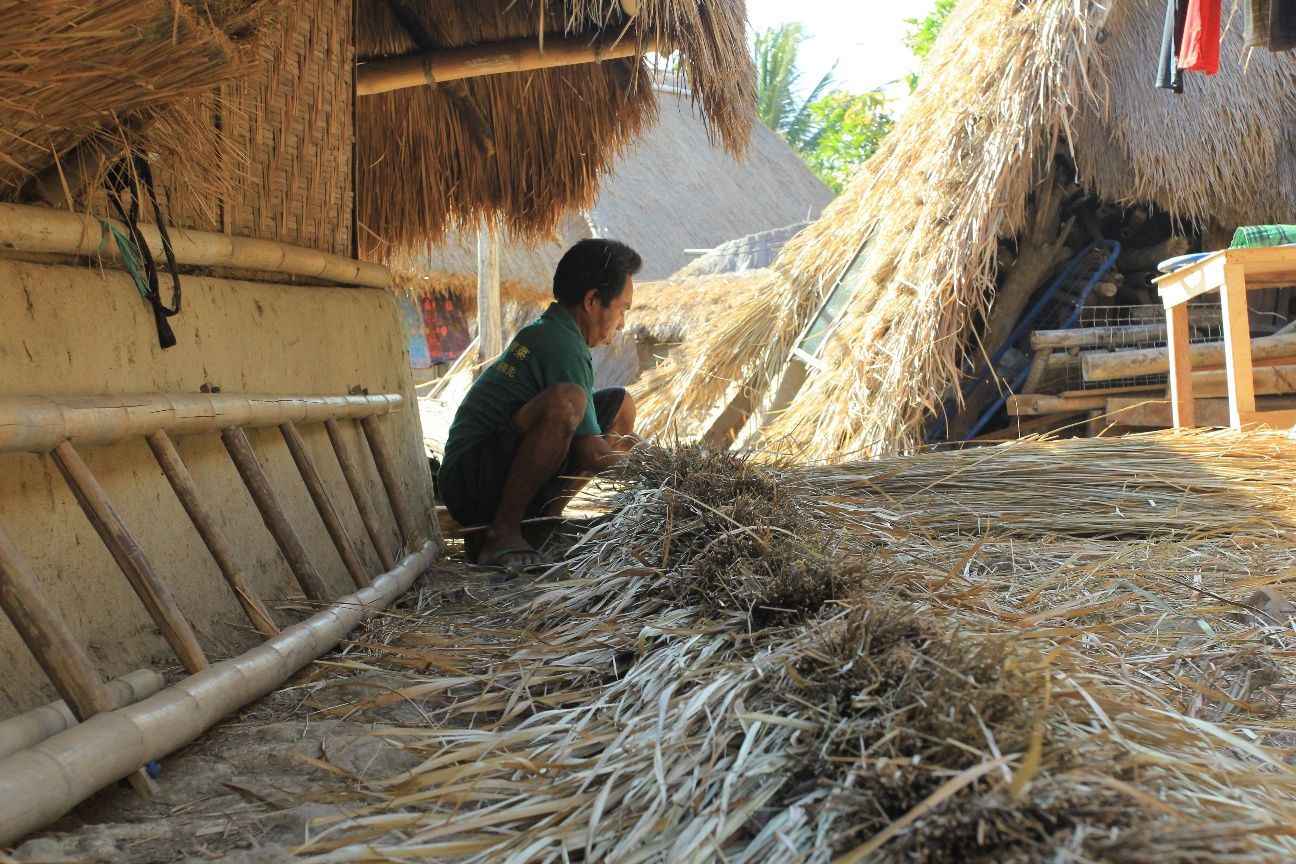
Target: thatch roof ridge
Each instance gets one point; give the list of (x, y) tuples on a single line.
[(670, 309), (749, 252)]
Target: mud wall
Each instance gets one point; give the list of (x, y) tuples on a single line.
[(68, 330)]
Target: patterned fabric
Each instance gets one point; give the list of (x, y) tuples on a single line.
[(1251, 236)]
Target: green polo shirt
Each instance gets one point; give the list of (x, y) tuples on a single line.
[(548, 351)]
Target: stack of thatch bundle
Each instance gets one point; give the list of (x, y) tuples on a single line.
[(757, 663), (1035, 131)]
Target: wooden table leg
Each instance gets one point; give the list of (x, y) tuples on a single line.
[(187, 491), (130, 558), (1181, 386), (1237, 346)]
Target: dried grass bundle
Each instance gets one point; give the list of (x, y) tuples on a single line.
[(72, 72), (1023, 697)]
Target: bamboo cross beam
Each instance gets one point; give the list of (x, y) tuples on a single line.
[(273, 515), (130, 558), (472, 61), (386, 466), (187, 491), (328, 513), (38, 424), (351, 472), (59, 654)]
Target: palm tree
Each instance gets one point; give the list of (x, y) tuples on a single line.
[(776, 79)]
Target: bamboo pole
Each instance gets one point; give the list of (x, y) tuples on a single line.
[(187, 491), (490, 336), (130, 558), (386, 466), (25, 228), (40, 723), (273, 515), (38, 424), (43, 782), (324, 504), (472, 61), (56, 650), (351, 472)]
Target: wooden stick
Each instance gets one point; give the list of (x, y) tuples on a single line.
[(42, 783), (514, 55), (273, 515), (1031, 404), (328, 513), (130, 558), (351, 472), (25, 228), (47, 636), (1106, 366), (489, 322), (187, 491), (38, 424), (391, 482)]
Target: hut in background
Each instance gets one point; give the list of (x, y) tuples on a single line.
[(673, 189), (256, 124), (1036, 129)]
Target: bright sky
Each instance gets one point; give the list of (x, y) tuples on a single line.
[(866, 38)]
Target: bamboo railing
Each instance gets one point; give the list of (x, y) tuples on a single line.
[(42, 781)]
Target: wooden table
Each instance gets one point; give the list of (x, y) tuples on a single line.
[(1232, 272)]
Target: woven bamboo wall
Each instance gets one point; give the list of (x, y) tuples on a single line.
[(292, 123)]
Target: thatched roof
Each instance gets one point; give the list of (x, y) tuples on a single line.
[(551, 133), (751, 252), (1008, 85), (670, 191), (73, 73), (523, 147), (671, 309)]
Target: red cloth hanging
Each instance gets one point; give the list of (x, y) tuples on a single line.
[(1200, 49)]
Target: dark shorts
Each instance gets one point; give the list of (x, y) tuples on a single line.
[(473, 495)]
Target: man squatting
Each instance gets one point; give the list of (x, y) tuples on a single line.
[(532, 429)]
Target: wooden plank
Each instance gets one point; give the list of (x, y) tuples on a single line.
[(378, 536), (213, 538), (328, 513), (1192, 281), (1278, 419), (1237, 344), (273, 515), (386, 466), (1181, 380), (47, 636), (130, 558)]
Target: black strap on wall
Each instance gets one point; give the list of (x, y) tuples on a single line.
[(128, 177)]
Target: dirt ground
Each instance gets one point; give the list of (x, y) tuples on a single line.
[(256, 787)]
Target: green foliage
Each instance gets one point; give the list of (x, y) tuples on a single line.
[(777, 77), (923, 32), (851, 125)]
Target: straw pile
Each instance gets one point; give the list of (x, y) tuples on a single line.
[(928, 692)]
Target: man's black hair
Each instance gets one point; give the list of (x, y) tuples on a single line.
[(602, 265)]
